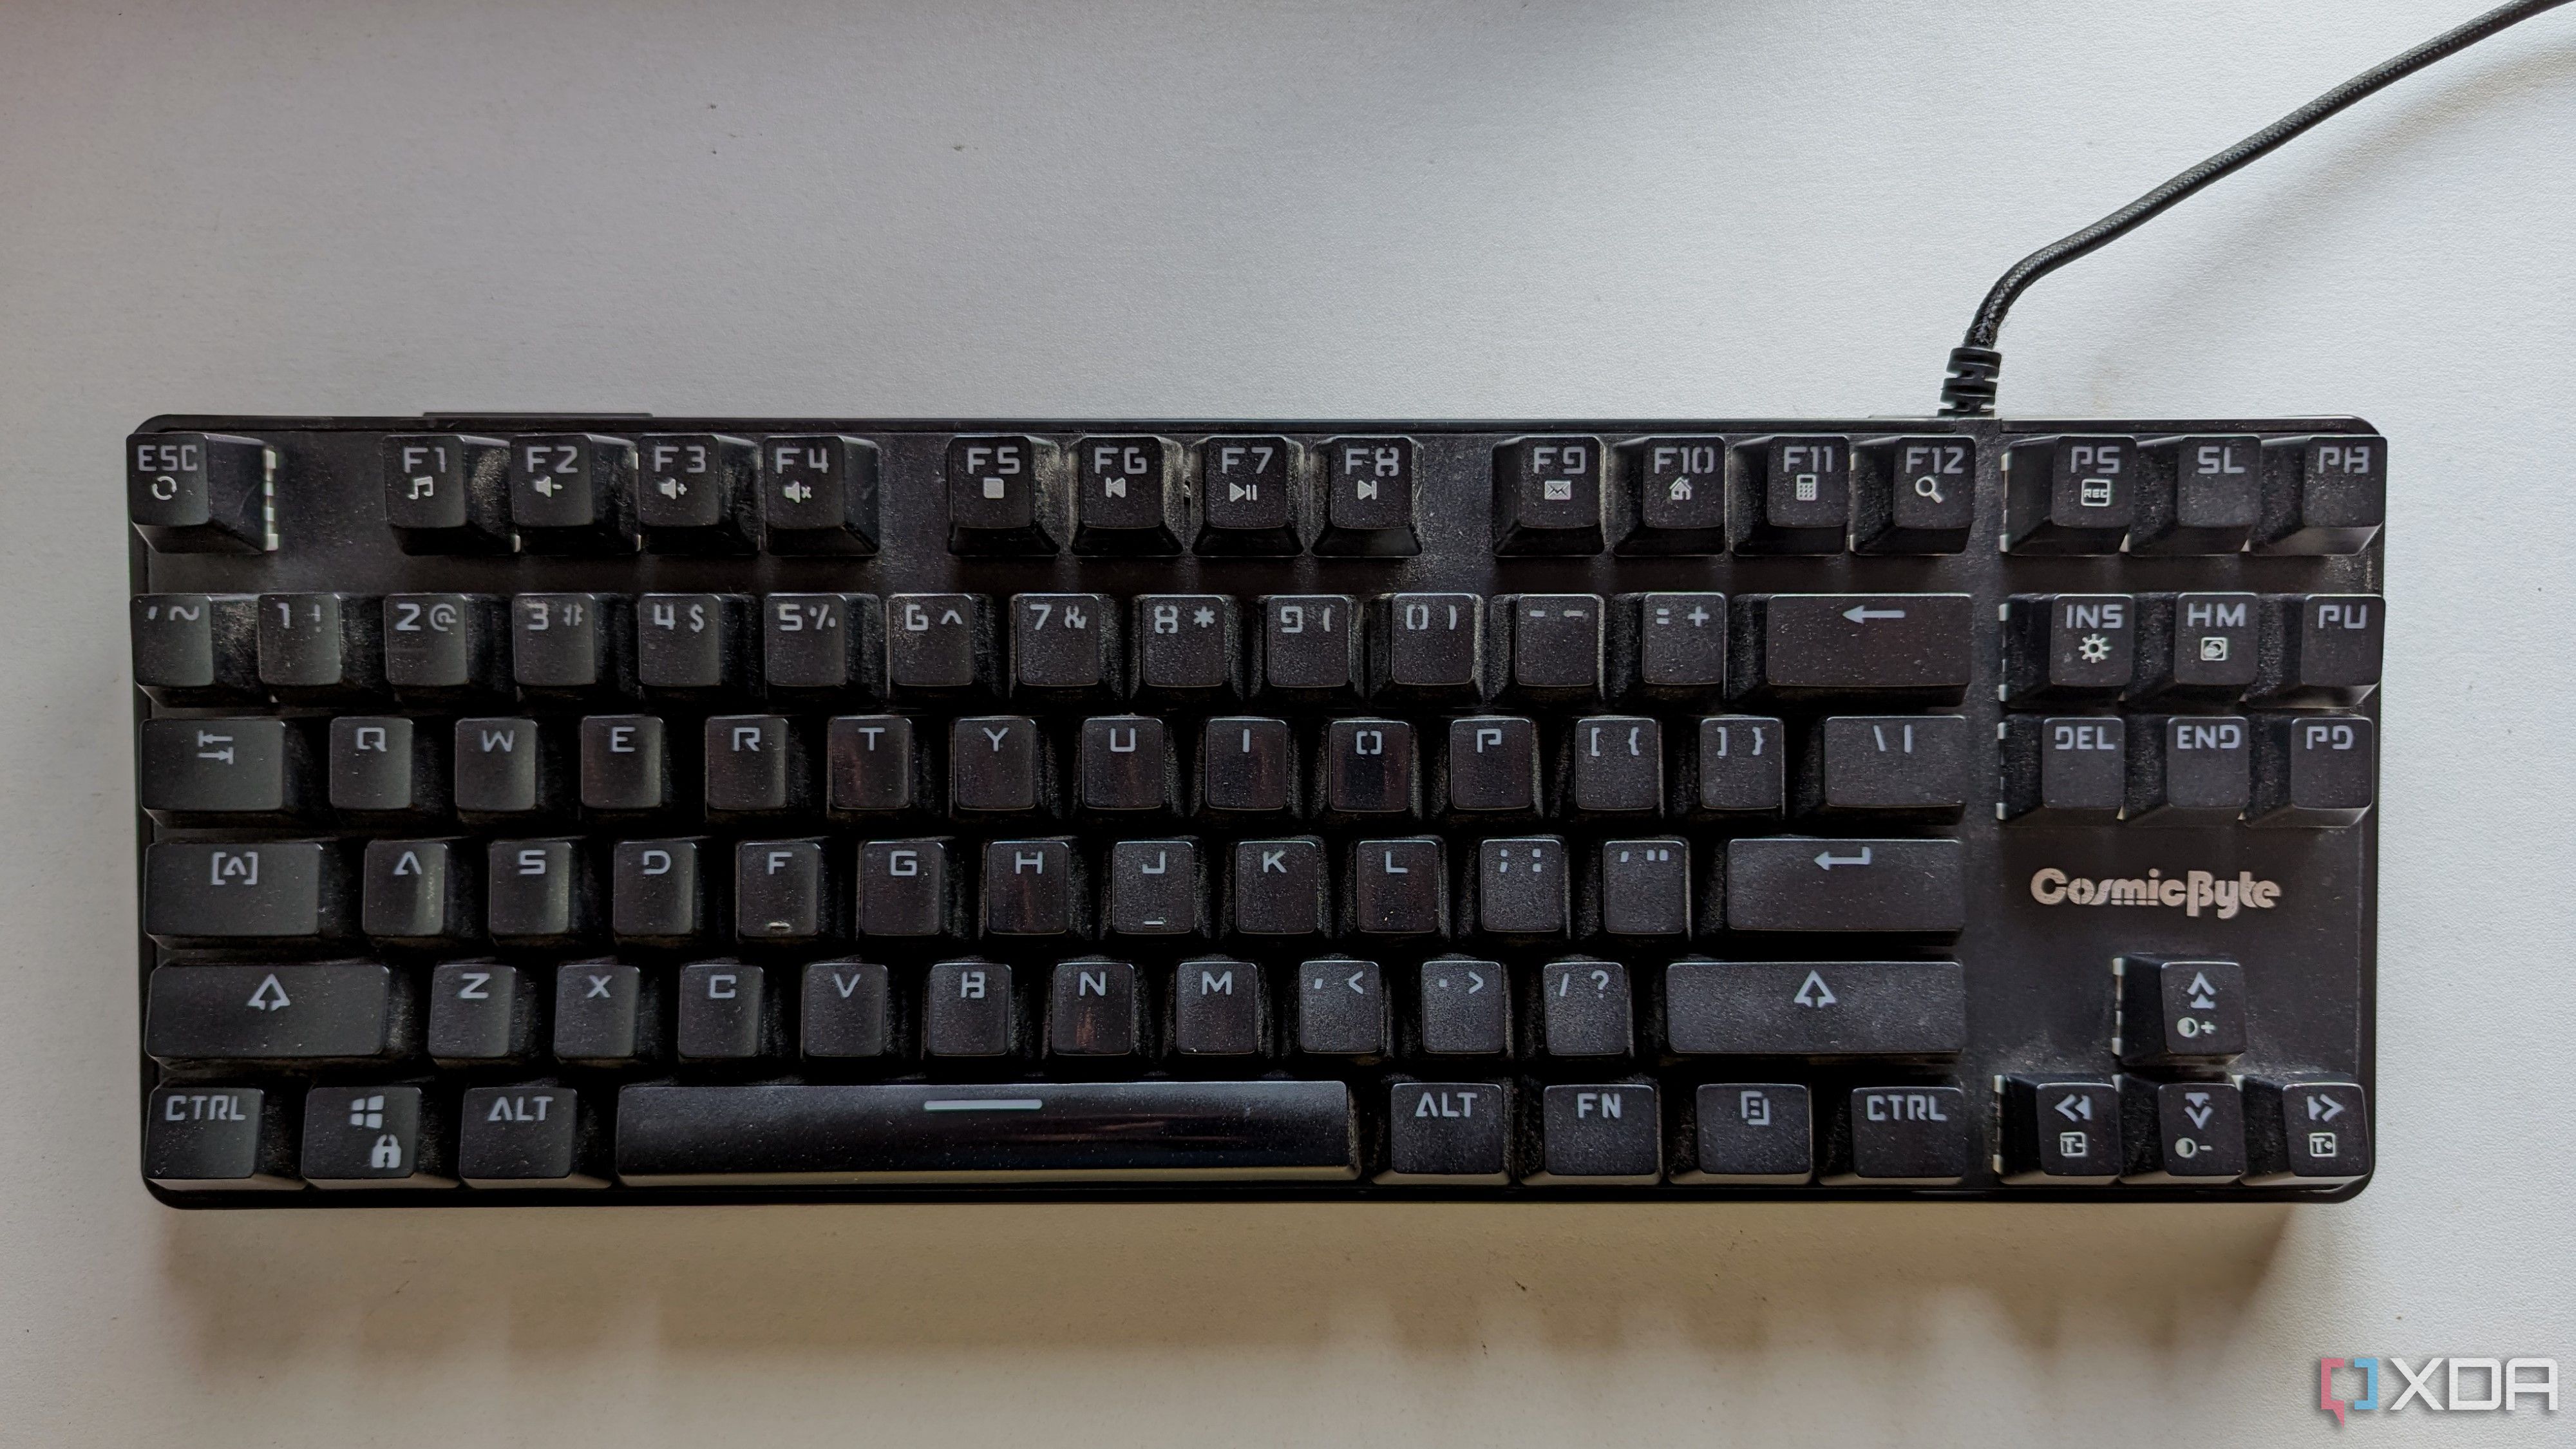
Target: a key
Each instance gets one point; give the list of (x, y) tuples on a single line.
[(2319, 649), (1341, 1008), (1065, 646), (755, 765), (1644, 887), (876, 765), (538, 892), (448, 493), (728, 1012), (315, 648), (1547, 496), (782, 892), (1914, 495), (507, 767), (691, 644), (241, 893), (695, 493), (658, 891), (481, 1013), (606, 1015), (626, 763), (2305, 1133), (1669, 646), (200, 1138), (214, 771), (1217, 1008), (1466, 1007), (1790, 494), (1034, 888), (446, 646), (1249, 503), (1616, 765), (1585, 1009), (2197, 495), (1368, 497), (1128, 766), (2313, 770), (2060, 1132), (2068, 646), (376, 1137), (1247, 766), (2189, 769), (818, 494), (2194, 646), (202, 492), (1277, 888), (969, 1010), (1556, 644), (821, 644), (2180, 1010), (1188, 647), (2182, 1133), (1845, 885), (1156, 888), (1491, 765), (1127, 497), (999, 765), (1816, 1008), (1522, 887), (1748, 1133), (938, 644), (1672, 498), (1004, 496), (1448, 1133), (1599, 1135), (531, 1135), (2064, 769), (2071, 494), (350, 1013), (573, 493), (1398, 888), (1740, 766), (418, 892), (386, 765), (1310, 646), (197, 649), (1369, 768), (1428, 647), (572, 645), (1888, 764), (1903, 1136), (1910, 647), (910, 888), (847, 1012), (2326, 493), (1094, 1009)]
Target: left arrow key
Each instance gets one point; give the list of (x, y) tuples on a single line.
[(286, 1016)]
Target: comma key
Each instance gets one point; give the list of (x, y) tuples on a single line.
[(1797, 884)]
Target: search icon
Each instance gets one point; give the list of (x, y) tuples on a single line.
[(1929, 487)]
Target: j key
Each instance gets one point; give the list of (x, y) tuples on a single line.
[(1466, 1007), (446, 646), (376, 1137), (2068, 646), (571, 644), (1900, 1136), (1845, 885), (1156, 888), (1555, 639), (1310, 646), (1369, 768), (1816, 1008), (820, 643), (1188, 646), (1898, 764), (1034, 888), (2071, 494), (1368, 497), (282, 1015), (999, 765), (2305, 1134), (1673, 645), (573, 493), (818, 494), (1676, 490), (1429, 646), (507, 767), (626, 763), (1492, 765), (728, 1012), (2060, 1133), (317, 647), (2322, 494), (606, 1015), (448, 493), (1247, 766), (1522, 887), (969, 1010), (1645, 887), (755, 765), (1585, 1009), (1740, 767), (482, 1013), (1599, 1135), (696, 494), (419, 892), (1749, 1132), (1448, 1133), (1399, 887), (2189, 769), (1064, 646), (531, 1135), (201, 492), (877, 765), (1547, 496), (1127, 765), (2064, 769), (689, 644), (658, 891), (2319, 649), (1341, 1008), (540, 892), (1892, 646), (2197, 495), (938, 644), (1217, 1008), (1093, 1009), (224, 769), (388, 765), (910, 888), (1127, 498), (1617, 765), (197, 648), (198, 1138), (1914, 495), (1278, 888), (2182, 1133), (1250, 508), (1003, 496), (239, 893), (2190, 1011), (2313, 770), (1790, 494), (782, 892), (847, 1012), (2194, 646)]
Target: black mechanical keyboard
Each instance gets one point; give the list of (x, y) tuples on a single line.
[(606, 808)]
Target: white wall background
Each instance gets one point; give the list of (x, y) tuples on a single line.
[(1752, 207)]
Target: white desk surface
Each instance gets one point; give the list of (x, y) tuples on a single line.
[(1298, 209)]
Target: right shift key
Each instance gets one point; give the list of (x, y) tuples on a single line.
[(1890, 647), (1807, 884)]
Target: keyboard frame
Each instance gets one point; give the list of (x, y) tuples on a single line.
[(2317, 1015)]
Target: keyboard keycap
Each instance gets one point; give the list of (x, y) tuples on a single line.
[(2060, 1133), (197, 649), (1398, 888), (1277, 888), (419, 892), (1034, 888), (1790, 494), (1466, 1007), (1894, 764), (446, 646), (2197, 495), (1065, 646), (2182, 1133), (1816, 1008), (384, 765), (198, 1138), (1556, 649), (1217, 1008), (2189, 769), (729, 1012), (2319, 649), (537, 1135), (1341, 1008), (341, 1014), (1900, 1136), (1645, 887), (1127, 498), (2064, 769), (540, 892), (877, 766), (2326, 493), (1672, 498), (1749, 1133), (1128, 766), (2189, 1011), (1670, 646), (574, 493), (1891, 646), (507, 767), (377, 1137), (572, 645), (1247, 766), (319, 647), (938, 644), (215, 770), (202, 492), (1741, 766), (606, 1015), (2305, 1133), (691, 644), (696, 493), (1157, 888), (1368, 497), (969, 1010), (1310, 646), (755, 765), (999, 765), (1522, 887), (1095, 1009), (481, 1013), (2194, 646), (1914, 495), (1249, 495), (847, 1012), (625, 763), (783, 892), (1448, 1133), (2071, 494), (818, 494), (1599, 1135), (2313, 770), (1188, 646), (1845, 885), (1369, 768), (1492, 765), (820, 644), (657, 891), (1004, 496), (911, 888), (1617, 765), (1547, 496), (1586, 1009), (241, 893), (448, 493), (2068, 646)]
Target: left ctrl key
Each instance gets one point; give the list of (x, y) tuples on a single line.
[(220, 1139)]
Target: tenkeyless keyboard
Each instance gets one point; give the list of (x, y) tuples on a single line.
[(604, 808)]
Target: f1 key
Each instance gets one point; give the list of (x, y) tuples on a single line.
[(1883, 646)]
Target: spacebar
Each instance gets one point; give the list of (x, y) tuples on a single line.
[(1021, 1132)]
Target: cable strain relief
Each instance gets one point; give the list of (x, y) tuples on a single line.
[(1969, 390)]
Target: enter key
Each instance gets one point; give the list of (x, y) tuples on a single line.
[(1798, 883)]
